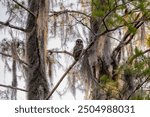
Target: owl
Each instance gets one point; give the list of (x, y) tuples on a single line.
[(78, 48)]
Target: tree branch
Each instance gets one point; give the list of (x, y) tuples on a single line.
[(124, 41), (55, 51), (24, 8), (61, 79), (83, 24), (67, 11), (8, 86), (114, 38), (12, 26), (105, 25), (112, 10), (7, 55), (146, 51), (138, 87)]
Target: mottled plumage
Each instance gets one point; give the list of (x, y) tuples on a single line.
[(78, 48)]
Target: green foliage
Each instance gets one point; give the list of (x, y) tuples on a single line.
[(95, 4), (109, 85), (115, 20), (147, 97), (104, 79), (117, 16), (98, 13), (131, 29), (137, 65), (98, 10), (148, 39), (138, 53), (146, 71), (140, 96), (141, 5), (128, 70), (16, 6), (108, 82)]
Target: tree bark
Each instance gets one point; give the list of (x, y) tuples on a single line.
[(14, 71), (36, 40), (97, 60)]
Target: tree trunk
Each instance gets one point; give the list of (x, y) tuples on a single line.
[(97, 60), (36, 40), (14, 71)]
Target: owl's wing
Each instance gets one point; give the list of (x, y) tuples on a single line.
[(77, 51)]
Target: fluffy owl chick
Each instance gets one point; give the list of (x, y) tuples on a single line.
[(78, 48)]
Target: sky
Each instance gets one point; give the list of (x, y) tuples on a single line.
[(2, 35)]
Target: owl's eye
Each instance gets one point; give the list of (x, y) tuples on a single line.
[(79, 41)]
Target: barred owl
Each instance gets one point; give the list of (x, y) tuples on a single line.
[(78, 48)]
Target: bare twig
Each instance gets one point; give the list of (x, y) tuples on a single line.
[(138, 87), (67, 11), (24, 8), (114, 38), (55, 51), (79, 21), (148, 50), (4, 54), (12, 26), (8, 86), (105, 25), (7, 55)]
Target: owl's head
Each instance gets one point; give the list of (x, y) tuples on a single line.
[(79, 41)]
